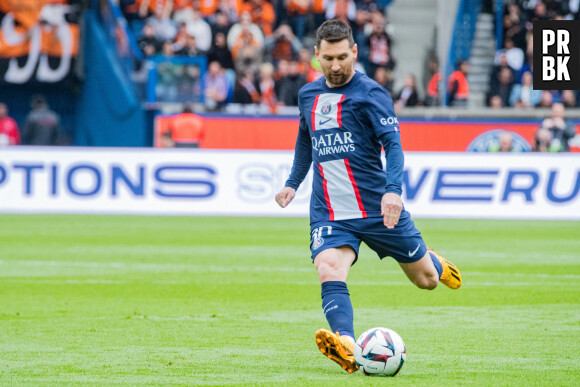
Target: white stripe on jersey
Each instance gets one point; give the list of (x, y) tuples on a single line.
[(327, 111), (343, 196)]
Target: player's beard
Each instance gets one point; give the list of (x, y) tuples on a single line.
[(338, 79)]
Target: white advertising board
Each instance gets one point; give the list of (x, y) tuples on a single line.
[(236, 183)]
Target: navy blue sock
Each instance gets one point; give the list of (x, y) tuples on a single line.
[(437, 264), (337, 307)]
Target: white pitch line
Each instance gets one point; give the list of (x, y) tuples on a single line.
[(156, 266)]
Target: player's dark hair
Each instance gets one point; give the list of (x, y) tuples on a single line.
[(334, 31)]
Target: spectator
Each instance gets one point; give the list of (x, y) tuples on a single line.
[(561, 130), (363, 20), (297, 13), (503, 86), (167, 73), (188, 47), (432, 97), (379, 45), (245, 91), (282, 44), (180, 37), (245, 24), (384, 78), (262, 14), (344, 10), (230, 8), (154, 6), (281, 72), (42, 125), (305, 67), (207, 8), (569, 98), (514, 24), (504, 144), (186, 130), (546, 100), (514, 55), (189, 83), (407, 96), (220, 23), (9, 133), (319, 11), (542, 140), (290, 85), (458, 88), (495, 102), (148, 42), (523, 95), (503, 63), (247, 52), (164, 28), (540, 12), (219, 52), (182, 11), (201, 30), (267, 87), (216, 87)]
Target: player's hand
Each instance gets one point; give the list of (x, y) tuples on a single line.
[(284, 197), (391, 207)]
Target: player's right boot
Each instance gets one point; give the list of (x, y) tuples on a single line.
[(337, 348), (450, 276)]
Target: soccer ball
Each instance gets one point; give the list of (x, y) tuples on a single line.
[(380, 352)]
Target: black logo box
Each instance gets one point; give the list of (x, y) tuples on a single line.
[(573, 27)]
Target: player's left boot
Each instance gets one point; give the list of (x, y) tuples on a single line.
[(337, 348), (450, 276)]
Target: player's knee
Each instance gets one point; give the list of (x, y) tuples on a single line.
[(328, 269)]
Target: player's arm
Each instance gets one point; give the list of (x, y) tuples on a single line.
[(391, 203), (382, 119), (300, 166)]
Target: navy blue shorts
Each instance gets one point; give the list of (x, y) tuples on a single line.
[(404, 243)]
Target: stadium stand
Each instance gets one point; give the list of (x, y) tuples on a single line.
[(141, 58)]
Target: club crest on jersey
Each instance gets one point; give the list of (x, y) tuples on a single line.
[(317, 242), (317, 239), (327, 111)]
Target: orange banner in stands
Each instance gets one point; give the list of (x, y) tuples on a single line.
[(33, 31), (280, 133), (26, 12)]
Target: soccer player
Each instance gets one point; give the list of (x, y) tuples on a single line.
[(345, 117)]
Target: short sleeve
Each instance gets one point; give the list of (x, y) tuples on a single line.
[(380, 112)]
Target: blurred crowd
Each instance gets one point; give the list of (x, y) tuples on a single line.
[(258, 52), (511, 77), (41, 127)]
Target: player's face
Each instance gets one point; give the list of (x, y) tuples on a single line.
[(337, 61)]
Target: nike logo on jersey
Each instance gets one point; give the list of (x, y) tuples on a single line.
[(414, 251), (320, 122)]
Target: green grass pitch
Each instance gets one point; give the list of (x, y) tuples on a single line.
[(137, 300)]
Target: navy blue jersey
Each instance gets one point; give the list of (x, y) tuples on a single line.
[(341, 132)]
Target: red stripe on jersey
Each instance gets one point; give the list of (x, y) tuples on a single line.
[(339, 112), (355, 187), (326, 197), (313, 116)]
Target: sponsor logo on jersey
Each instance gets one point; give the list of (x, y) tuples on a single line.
[(389, 121), (332, 143)]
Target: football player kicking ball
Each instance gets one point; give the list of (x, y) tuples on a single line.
[(345, 117)]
